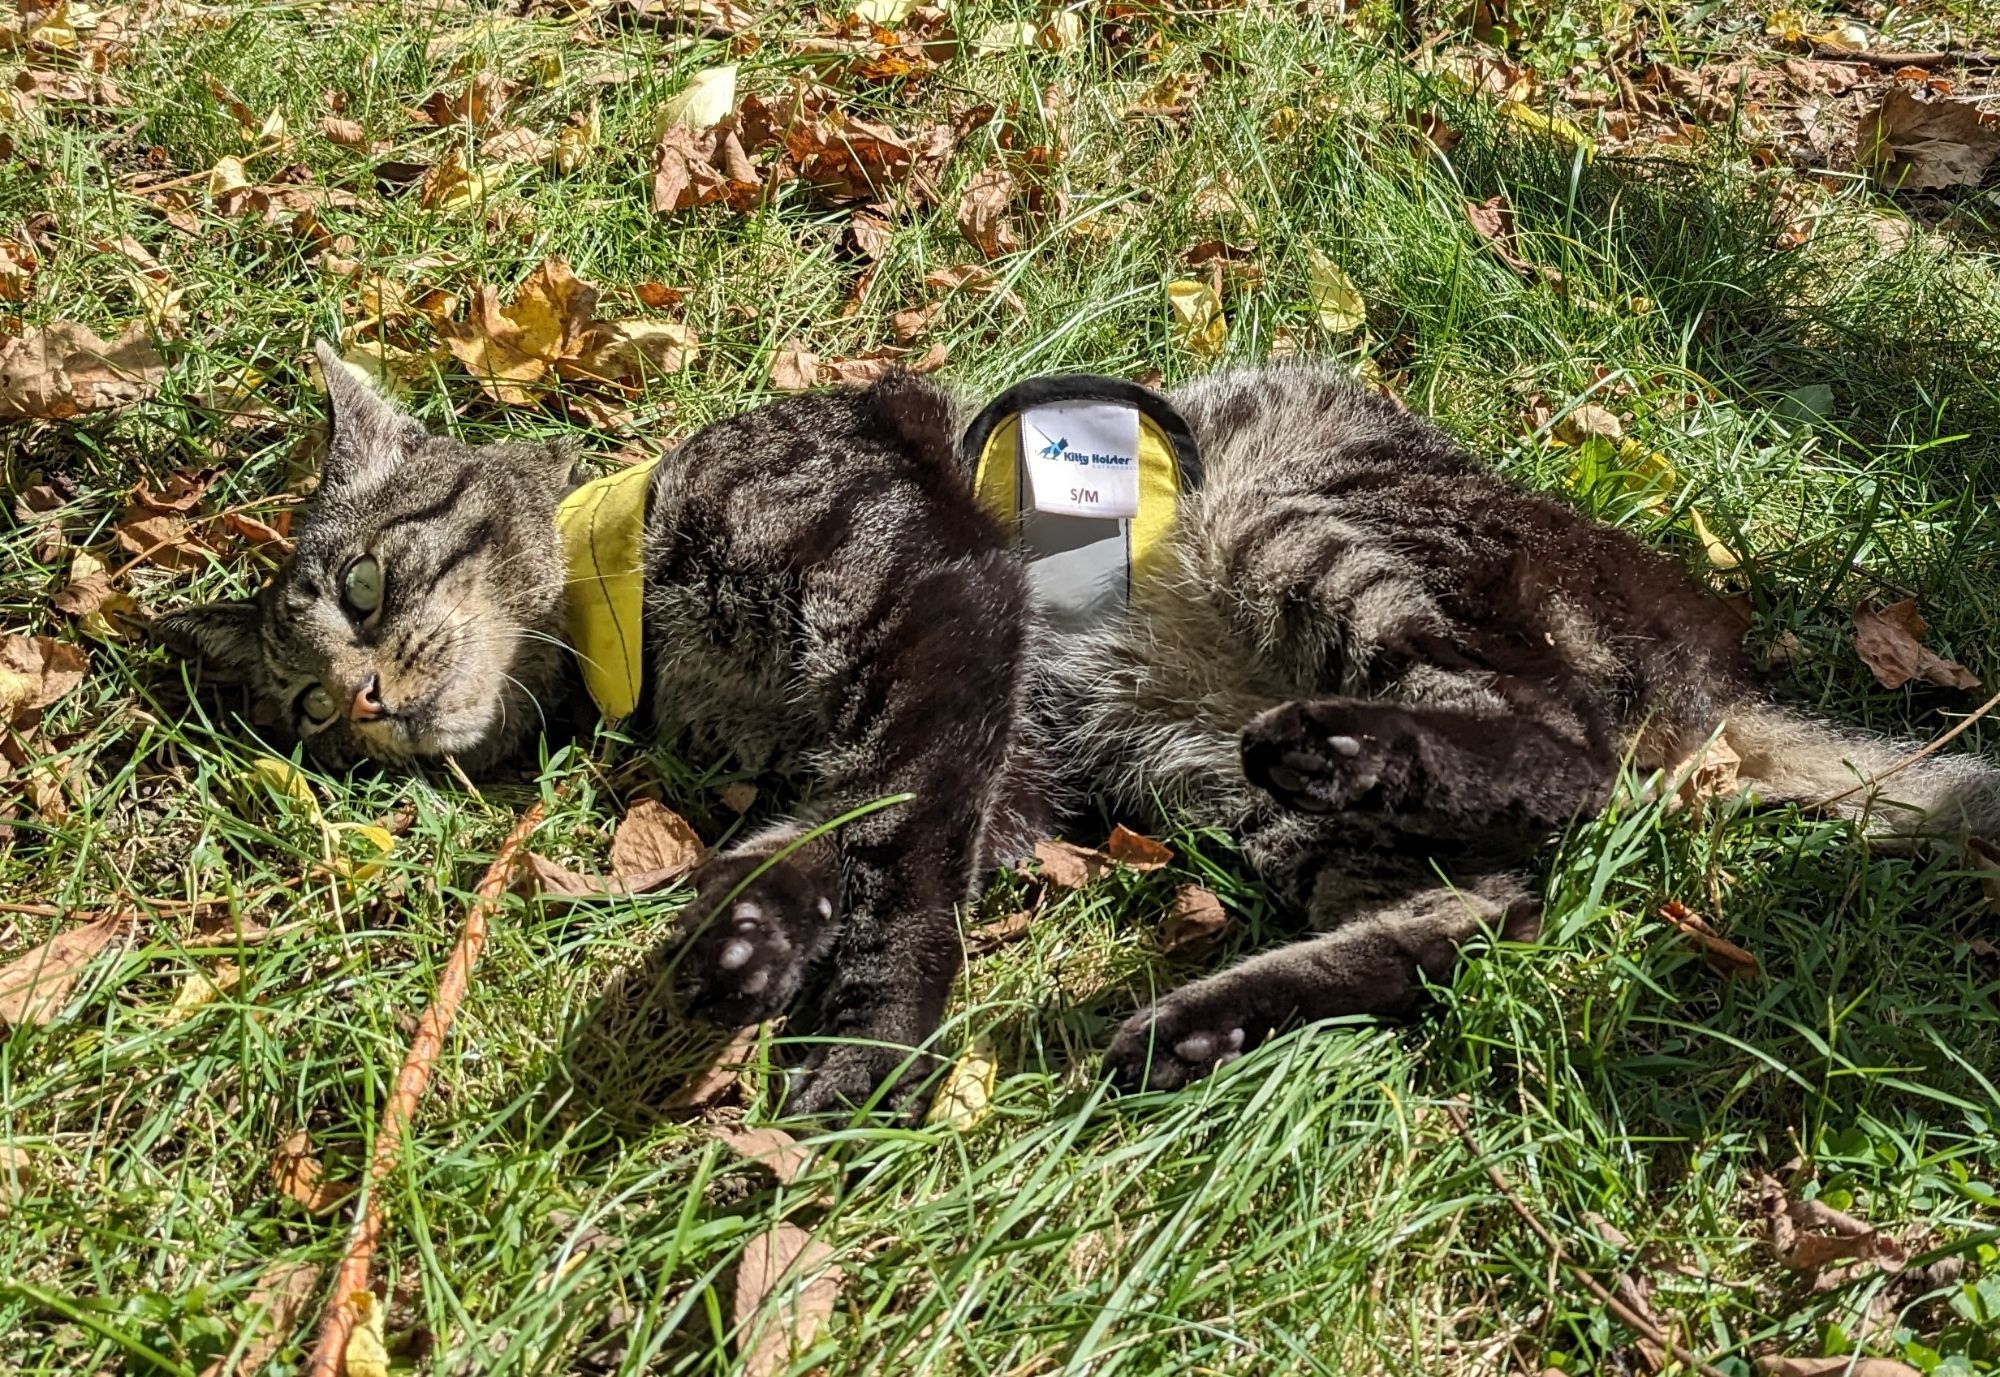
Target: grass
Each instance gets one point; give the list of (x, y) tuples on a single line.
[(1310, 1210)]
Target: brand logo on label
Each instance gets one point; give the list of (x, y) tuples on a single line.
[(1055, 449)]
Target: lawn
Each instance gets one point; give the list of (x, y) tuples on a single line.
[(1689, 314)]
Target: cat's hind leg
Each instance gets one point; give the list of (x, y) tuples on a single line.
[(1375, 963), (1459, 767)]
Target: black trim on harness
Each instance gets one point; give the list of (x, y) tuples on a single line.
[(1085, 387)]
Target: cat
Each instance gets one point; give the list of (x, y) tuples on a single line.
[(1391, 675)]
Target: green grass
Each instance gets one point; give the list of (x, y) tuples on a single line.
[(1310, 1210)]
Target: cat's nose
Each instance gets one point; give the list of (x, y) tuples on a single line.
[(367, 705)]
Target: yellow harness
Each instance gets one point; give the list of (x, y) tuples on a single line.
[(602, 525)]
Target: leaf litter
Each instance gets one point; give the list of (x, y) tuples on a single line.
[(1889, 641)]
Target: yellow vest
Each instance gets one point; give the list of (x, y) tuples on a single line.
[(602, 525)]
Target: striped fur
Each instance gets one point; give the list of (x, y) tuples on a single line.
[(1389, 673)]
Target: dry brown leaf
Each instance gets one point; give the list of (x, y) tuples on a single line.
[(722, 1074), (1718, 951), (1834, 1367), (298, 1174), (517, 146), (60, 370), (634, 350), (512, 348), (1136, 852), (1493, 219), (1196, 919), (34, 984), (772, 1148), (738, 797), (859, 370), (1916, 141), (258, 533), (163, 539), (703, 167), (280, 1299), (182, 494), (88, 588), (983, 217), (479, 103), (905, 327), (998, 933), (784, 1259), (653, 842), (35, 671), (344, 133), (975, 280), (794, 368), (18, 264), (1890, 642), (1709, 772), (1589, 422), (1068, 866), (556, 883), (871, 234)]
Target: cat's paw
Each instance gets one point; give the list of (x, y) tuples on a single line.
[(750, 943), (840, 1078), (1183, 1037), (1317, 757)]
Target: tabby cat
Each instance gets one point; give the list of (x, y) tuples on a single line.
[(1390, 674)]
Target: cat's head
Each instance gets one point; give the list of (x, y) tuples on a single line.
[(420, 615)]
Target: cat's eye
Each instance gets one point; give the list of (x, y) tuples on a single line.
[(316, 703), (361, 585)]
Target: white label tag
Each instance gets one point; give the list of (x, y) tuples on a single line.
[(1083, 458)]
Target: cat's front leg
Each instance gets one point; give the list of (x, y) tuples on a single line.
[(763, 913), (1373, 965)]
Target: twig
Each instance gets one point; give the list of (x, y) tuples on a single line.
[(1620, 1311), (1970, 57), (1936, 744), (329, 1354)]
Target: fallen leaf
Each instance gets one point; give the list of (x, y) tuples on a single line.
[(870, 234), (794, 368), (966, 1097), (1199, 325), (1337, 302), (722, 1074), (653, 843), (36, 671), (517, 146), (60, 370), (1916, 141), (343, 133), (1889, 641), (983, 217), (256, 533), (1718, 951), (478, 104), (34, 984), (635, 350), (1068, 866), (769, 1147), (554, 882), (367, 1352), (1553, 125), (788, 1261), (182, 494), (298, 1174), (1834, 1367), (163, 539), (1196, 919), (200, 988), (1589, 422), (1136, 852), (702, 168), (703, 103), (1709, 772), (1719, 555), (511, 349), (1493, 219), (277, 1303), (1002, 931), (18, 264), (906, 327)]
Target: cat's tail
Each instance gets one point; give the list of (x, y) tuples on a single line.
[(1789, 757)]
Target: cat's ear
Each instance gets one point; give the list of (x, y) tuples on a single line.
[(222, 636), (368, 432)]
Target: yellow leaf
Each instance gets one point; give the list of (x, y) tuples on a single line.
[(1845, 36), (282, 778), (199, 988), (367, 1349), (381, 844), (1335, 298), (1720, 555), (883, 14), (1200, 326), (1006, 37), (966, 1097), (1788, 25), (226, 176), (575, 143), (1063, 32), (702, 104), (1554, 125)]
